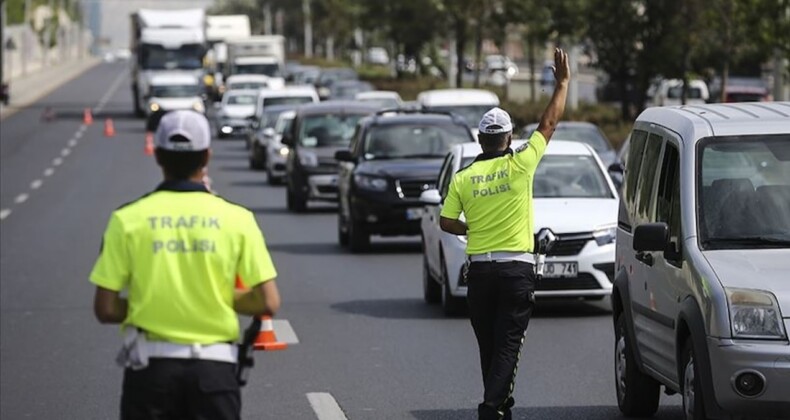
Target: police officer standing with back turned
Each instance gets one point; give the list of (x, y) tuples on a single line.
[(177, 251), (495, 195)]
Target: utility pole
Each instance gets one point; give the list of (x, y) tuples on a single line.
[(25, 38), (308, 29)]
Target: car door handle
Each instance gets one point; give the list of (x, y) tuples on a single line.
[(645, 257)]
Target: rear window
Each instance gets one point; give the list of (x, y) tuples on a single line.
[(287, 100)]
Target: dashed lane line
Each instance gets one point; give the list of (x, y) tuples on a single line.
[(72, 142), (49, 172), (4, 213), (110, 92), (65, 152), (36, 184), (21, 198), (57, 161), (325, 406)]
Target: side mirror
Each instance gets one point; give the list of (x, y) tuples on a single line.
[(344, 156), (431, 197), (616, 167), (268, 132), (287, 139), (651, 237)]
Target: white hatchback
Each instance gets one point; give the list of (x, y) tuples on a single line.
[(573, 196)]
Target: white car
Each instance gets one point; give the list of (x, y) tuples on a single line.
[(471, 104), (289, 95), (171, 92), (252, 82), (385, 99), (234, 111), (573, 196), (668, 92), (276, 152)]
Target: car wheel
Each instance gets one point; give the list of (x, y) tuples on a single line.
[(453, 306), (342, 231), (358, 238), (295, 203), (693, 404), (637, 393), (431, 289)]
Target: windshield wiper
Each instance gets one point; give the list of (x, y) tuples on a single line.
[(750, 240)]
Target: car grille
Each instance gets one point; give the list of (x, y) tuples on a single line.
[(584, 281), (607, 268), (569, 244), (413, 188)]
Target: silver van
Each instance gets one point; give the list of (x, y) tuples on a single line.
[(701, 296)]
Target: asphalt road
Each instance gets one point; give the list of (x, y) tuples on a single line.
[(366, 337)]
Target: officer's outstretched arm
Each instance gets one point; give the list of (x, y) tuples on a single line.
[(108, 306), (556, 107), (454, 226), (262, 299)]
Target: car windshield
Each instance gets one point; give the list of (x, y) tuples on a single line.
[(328, 130), (241, 100), (569, 176), (283, 124), (589, 135), (270, 69), (471, 113), (175, 91), (743, 192), (413, 141), (383, 103), (156, 57), (349, 91), (269, 118), (287, 100), (247, 85)]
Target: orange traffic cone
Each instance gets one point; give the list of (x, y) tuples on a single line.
[(149, 149), (266, 339), (87, 117), (109, 128)]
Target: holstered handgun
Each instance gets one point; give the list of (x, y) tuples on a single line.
[(246, 351)]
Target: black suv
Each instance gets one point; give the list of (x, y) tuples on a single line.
[(394, 157), (317, 132)]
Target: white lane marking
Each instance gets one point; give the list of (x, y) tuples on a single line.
[(78, 134), (325, 406), (21, 198), (65, 152), (57, 161), (4, 213), (36, 184), (284, 332), (110, 92), (49, 172), (72, 142)]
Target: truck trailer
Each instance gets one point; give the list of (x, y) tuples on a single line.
[(262, 54)]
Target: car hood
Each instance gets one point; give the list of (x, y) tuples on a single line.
[(562, 215), (764, 269), (402, 168), (238, 111)]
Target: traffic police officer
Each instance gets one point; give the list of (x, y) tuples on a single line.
[(177, 252), (495, 195)]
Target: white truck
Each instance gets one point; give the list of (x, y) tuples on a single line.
[(262, 54), (219, 30), (165, 41)]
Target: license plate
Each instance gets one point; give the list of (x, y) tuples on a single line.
[(414, 214), (561, 269)]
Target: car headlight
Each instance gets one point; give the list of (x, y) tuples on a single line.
[(308, 159), (198, 106), (154, 107), (370, 182), (283, 151), (605, 234), (754, 314)]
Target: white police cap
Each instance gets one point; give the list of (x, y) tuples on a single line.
[(190, 125), (495, 121)]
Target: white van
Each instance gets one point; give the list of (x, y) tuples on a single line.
[(471, 104), (170, 92), (668, 92)]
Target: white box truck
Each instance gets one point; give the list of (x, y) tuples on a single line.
[(262, 54), (165, 41), (219, 30)]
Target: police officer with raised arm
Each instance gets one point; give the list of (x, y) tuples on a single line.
[(495, 195), (176, 252)]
